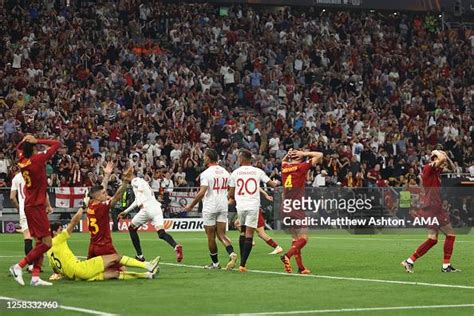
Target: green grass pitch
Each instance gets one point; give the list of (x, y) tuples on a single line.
[(188, 290)]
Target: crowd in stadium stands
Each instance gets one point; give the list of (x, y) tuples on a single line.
[(154, 85)]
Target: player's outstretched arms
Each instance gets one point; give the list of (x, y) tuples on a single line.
[(75, 220), (109, 168)]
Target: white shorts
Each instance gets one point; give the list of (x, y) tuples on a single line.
[(150, 213), (211, 218), (23, 221), (248, 218)]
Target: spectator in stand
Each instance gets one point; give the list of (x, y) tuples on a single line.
[(362, 87)]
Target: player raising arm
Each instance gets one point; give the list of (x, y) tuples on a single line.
[(294, 169), (33, 169), (98, 217), (64, 262), (213, 192), (245, 190), (433, 207)]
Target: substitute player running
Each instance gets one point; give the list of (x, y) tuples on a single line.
[(33, 169), (433, 207), (213, 192), (98, 213), (150, 210), (294, 169), (64, 262), (244, 188)]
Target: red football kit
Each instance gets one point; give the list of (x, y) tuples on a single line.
[(99, 228), (432, 201), (294, 180), (33, 170)]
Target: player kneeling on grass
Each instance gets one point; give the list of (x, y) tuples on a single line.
[(261, 228), (244, 186), (433, 207), (150, 210), (64, 262)]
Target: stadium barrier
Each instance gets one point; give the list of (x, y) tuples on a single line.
[(330, 207)]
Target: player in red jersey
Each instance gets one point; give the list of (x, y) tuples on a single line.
[(33, 169), (293, 171), (433, 209), (98, 214)]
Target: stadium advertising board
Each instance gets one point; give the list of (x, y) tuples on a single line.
[(171, 224)]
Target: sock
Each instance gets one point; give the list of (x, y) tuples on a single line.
[(241, 245), (423, 248), (37, 266), (35, 278), (28, 246), (129, 275), (247, 249), (34, 255), (448, 248), (167, 237), (299, 261), (131, 262), (410, 261), (271, 243), (229, 249), (135, 241), (297, 246), (214, 258)]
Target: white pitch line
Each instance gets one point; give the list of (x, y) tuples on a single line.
[(315, 237), (360, 309), (70, 308), (317, 276)]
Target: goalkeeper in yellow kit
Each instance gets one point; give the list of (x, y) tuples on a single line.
[(64, 262)]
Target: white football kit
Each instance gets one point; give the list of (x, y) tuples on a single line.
[(18, 185), (150, 208), (214, 203), (246, 181)]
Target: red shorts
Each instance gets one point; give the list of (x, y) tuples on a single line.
[(38, 222), (261, 219), (440, 214), (103, 250), (100, 250)]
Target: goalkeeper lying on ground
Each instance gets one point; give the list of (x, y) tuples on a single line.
[(65, 263)]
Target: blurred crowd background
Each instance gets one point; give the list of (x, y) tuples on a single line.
[(152, 85)]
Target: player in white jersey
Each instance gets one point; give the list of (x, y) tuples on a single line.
[(17, 189), (213, 193), (244, 186), (150, 210)]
